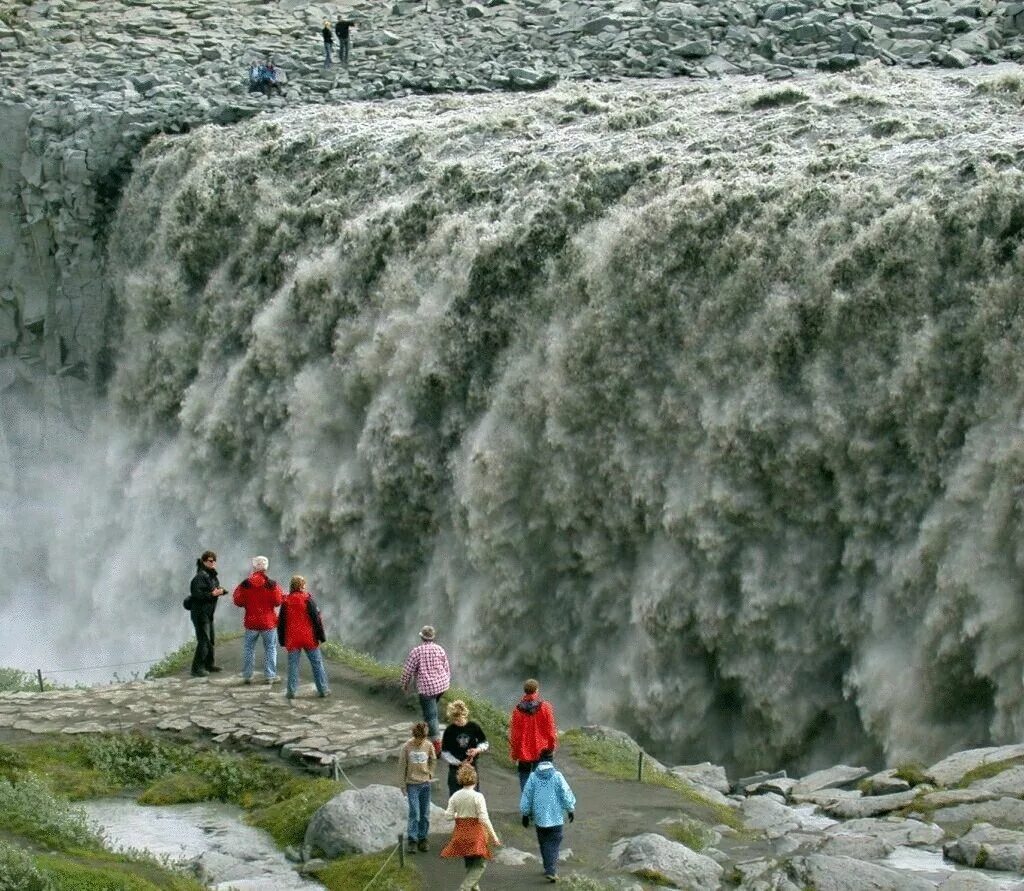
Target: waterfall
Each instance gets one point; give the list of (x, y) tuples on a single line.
[(701, 403)]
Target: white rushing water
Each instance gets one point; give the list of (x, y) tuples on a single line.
[(701, 401), (230, 855)]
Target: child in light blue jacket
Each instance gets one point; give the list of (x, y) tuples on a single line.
[(546, 799)]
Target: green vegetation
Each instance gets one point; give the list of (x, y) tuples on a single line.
[(353, 873), (692, 833), (655, 878), (777, 98), (991, 769), (911, 773), (579, 882), (14, 681), (362, 663), (286, 817), (1006, 84), (614, 759), (181, 658)]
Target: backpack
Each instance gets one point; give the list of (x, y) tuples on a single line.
[(187, 602)]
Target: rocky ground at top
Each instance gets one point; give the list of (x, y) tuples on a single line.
[(956, 825)]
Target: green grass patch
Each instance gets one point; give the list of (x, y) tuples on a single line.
[(363, 663), (353, 873), (104, 871), (614, 759), (285, 819), (18, 870), (991, 769), (911, 773), (687, 831), (185, 787), (655, 878), (31, 810), (182, 657)]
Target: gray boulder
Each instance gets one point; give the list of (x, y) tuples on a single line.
[(969, 881), (705, 774), (859, 847), (869, 806), (830, 778), (886, 782), (676, 862), (988, 847), (1005, 812), (824, 873), (361, 821), (1009, 782), (952, 769), (894, 831)]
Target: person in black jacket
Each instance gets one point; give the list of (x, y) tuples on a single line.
[(462, 742), (203, 593), (341, 30), (328, 36)]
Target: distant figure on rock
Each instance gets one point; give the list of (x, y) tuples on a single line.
[(473, 829), (328, 43), (428, 662), (202, 598), (416, 761), (263, 78), (341, 29), (462, 741), (531, 731), (300, 629), (259, 596), (546, 800)]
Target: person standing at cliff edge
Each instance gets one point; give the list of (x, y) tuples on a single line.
[(428, 662), (300, 628), (203, 592), (328, 43), (341, 29), (259, 596), (531, 731)]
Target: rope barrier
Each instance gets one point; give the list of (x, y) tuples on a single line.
[(338, 771), (397, 848), (98, 667)]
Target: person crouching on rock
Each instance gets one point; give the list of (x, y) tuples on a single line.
[(546, 799), (300, 628), (259, 596), (473, 829), (461, 742), (417, 760), (203, 592)]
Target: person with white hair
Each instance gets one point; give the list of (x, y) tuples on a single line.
[(260, 596)]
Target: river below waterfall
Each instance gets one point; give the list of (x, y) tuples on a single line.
[(230, 855)]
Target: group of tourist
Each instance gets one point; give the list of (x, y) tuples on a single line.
[(292, 619), (341, 31), (271, 616), (545, 797)]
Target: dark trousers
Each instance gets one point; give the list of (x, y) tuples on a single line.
[(525, 769), (453, 782), (343, 50), (204, 642), (550, 840)]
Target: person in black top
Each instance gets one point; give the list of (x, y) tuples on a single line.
[(328, 43), (204, 590), (341, 29), (462, 742)]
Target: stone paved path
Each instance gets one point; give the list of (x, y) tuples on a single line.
[(346, 726)]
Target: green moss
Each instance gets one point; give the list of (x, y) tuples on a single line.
[(353, 873), (991, 769), (286, 818), (655, 878), (179, 788), (362, 663), (181, 658), (981, 860), (613, 759), (911, 773), (110, 872), (692, 833)]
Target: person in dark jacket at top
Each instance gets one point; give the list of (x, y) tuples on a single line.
[(300, 628), (531, 730), (328, 43), (546, 800), (260, 596), (341, 31), (203, 592)]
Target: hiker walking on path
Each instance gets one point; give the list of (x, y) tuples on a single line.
[(203, 592), (531, 730), (341, 30), (473, 830), (461, 742), (428, 662), (259, 596), (417, 760), (300, 629), (328, 43), (546, 800)]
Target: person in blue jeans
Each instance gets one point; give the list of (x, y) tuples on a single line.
[(546, 800), (416, 761)]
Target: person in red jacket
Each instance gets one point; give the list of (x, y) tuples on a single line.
[(260, 596), (532, 730), (300, 628)]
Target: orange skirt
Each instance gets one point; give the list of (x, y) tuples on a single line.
[(468, 840)]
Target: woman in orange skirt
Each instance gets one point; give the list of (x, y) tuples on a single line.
[(473, 829)]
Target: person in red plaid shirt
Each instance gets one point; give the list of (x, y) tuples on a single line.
[(429, 663)]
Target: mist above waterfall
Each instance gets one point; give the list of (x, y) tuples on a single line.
[(700, 403)]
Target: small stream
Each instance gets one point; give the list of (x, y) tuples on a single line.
[(231, 855)]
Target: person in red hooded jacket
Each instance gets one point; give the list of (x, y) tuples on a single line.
[(260, 596), (301, 629), (532, 730)]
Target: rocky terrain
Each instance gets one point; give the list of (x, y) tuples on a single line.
[(86, 84), (956, 825)]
